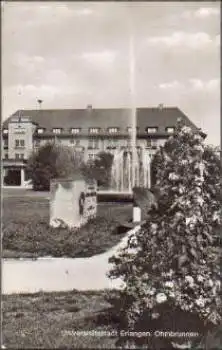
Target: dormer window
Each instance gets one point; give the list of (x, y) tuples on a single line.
[(75, 130), (112, 130), (152, 130), (5, 131), (94, 130), (170, 129), (40, 131), (129, 129), (57, 130)]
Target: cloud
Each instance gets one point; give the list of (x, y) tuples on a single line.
[(29, 63), (45, 91), (54, 13), (104, 57), (171, 85), (182, 39), (56, 76), (35, 91), (201, 13), (211, 85), (38, 59), (204, 12), (194, 84), (72, 50), (63, 10), (83, 12)]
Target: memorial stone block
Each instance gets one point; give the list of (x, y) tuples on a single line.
[(72, 201)]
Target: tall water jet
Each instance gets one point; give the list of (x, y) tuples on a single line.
[(133, 108), (129, 168)]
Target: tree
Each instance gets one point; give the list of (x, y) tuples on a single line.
[(100, 168), (52, 161), (171, 263)]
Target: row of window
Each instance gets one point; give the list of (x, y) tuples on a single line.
[(17, 156), (110, 130), (77, 130), (18, 143), (149, 130), (94, 143)]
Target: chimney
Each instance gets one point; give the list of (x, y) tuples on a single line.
[(89, 108)]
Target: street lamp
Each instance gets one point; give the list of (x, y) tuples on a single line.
[(40, 103)]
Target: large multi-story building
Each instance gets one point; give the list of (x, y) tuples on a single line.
[(88, 130)]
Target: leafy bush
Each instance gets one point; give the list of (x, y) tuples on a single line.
[(52, 161), (172, 261)]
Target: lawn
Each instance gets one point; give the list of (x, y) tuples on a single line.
[(49, 320), (26, 230)]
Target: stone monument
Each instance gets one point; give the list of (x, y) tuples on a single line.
[(72, 201)]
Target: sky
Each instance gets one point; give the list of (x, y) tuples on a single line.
[(71, 54)]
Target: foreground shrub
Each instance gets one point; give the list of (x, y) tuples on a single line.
[(172, 264)]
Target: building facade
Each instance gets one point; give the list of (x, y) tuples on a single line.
[(87, 130)]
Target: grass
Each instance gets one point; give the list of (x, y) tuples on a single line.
[(26, 230), (48, 320)]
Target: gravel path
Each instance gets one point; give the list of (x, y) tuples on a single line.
[(60, 274)]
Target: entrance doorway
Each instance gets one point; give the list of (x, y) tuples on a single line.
[(12, 177)]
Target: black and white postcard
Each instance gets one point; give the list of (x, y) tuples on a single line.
[(111, 175)]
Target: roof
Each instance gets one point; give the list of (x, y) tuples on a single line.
[(103, 118)]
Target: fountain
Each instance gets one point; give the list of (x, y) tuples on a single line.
[(122, 170), (131, 167)]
